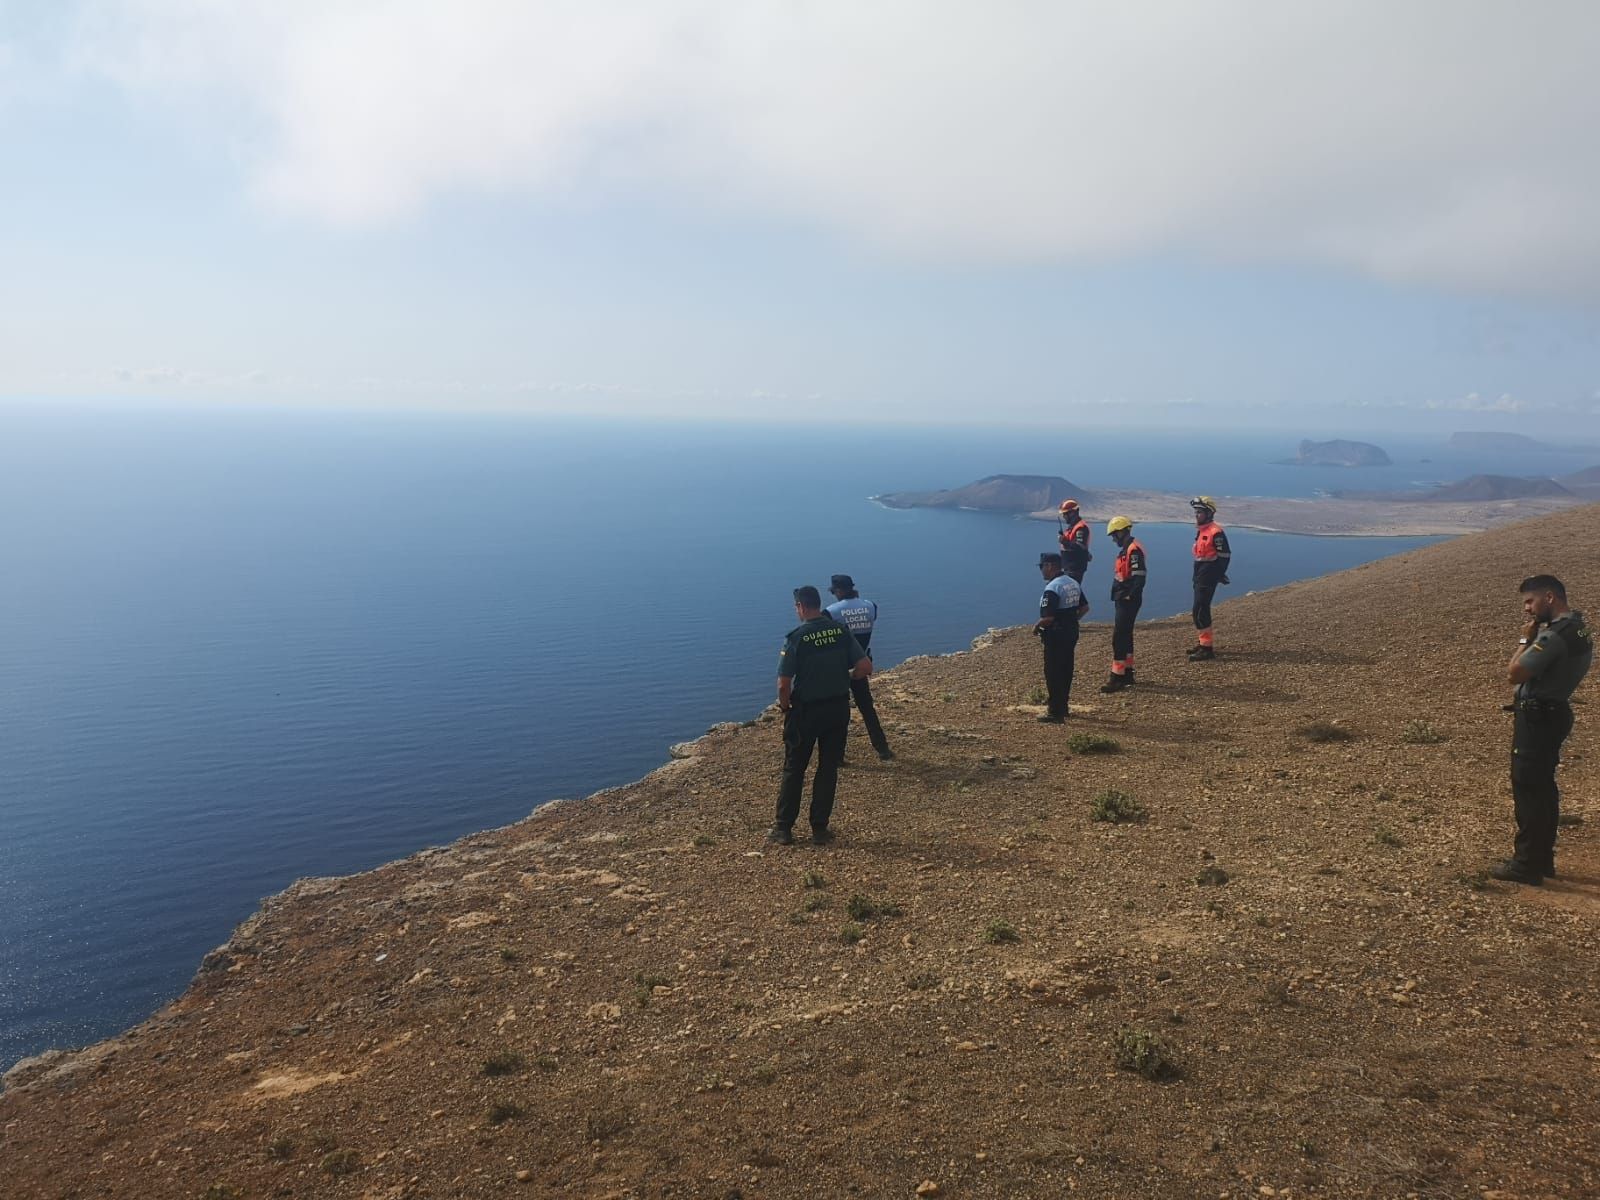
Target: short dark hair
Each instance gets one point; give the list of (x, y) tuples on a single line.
[(808, 597), (1543, 583)]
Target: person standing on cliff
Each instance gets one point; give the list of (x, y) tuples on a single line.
[(1550, 660), (1074, 539), (1211, 559), (1060, 609), (1127, 594), (819, 659), (859, 616)]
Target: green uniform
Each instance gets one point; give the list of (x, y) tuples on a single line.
[(1559, 658), (817, 656)]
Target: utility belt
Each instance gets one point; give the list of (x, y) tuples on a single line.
[(1540, 706), (841, 697)]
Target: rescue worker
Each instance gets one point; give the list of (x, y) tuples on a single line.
[(1549, 662), (1060, 609), (1127, 594), (859, 616), (1074, 539), (1211, 558), (819, 658)]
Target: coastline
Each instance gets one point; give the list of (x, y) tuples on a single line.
[(671, 1006)]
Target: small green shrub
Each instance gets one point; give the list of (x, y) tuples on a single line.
[(1325, 731), (504, 1062), (865, 908), (1387, 837), (815, 902), (814, 879), (765, 1074), (1114, 806), (704, 839), (223, 1191), (1092, 743), (281, 1148), (1039, 696), (502, 1111), (341, 1162), (1000, 933), (1141, 1051), (546, 1062), (851, 934), (1420, 733)]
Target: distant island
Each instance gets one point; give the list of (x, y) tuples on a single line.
[(994, 493), (1475, 488), (1490, 442), (1471, 505), (1338, 453)]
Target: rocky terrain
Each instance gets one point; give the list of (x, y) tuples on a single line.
[(1224, 935)]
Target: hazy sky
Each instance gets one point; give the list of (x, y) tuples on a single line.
[(1335, 215)]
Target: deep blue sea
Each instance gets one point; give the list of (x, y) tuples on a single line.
[(241, 647)]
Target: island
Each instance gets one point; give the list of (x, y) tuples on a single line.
[(1338, 453), (1470, 506), (993, 493), (1473, 489), (1494, 442)]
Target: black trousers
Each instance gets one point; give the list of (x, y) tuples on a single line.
[(1535, 750), (1060, 652), (1204, 590), (1122, 631), (861, 691), (820, 726)]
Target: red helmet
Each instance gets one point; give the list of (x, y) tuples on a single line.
[(1069, 506)]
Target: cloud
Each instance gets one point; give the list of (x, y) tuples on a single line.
[(1442, 142)]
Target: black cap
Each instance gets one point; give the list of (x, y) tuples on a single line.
[(842, 583), (1049, 556)]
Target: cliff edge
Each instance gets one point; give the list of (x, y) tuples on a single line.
[(1282, 973)]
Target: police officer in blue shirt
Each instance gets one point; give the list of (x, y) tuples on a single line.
[(1060, 609), (859, 616)]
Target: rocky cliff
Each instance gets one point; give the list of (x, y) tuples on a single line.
[(1224, 934)]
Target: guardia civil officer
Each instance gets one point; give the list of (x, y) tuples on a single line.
[(859, 616), (1549, 662), (819, 659), (1127, 594), (1060, 609), (1211, 559), (1074, 539)]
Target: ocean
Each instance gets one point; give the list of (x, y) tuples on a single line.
[(241, 647)]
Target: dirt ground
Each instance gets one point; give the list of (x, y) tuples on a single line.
[(633, 996)]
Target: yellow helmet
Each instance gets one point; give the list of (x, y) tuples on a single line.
[(1205, 502), (1117, 524)]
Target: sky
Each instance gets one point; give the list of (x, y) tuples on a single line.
[(1231, 214)]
